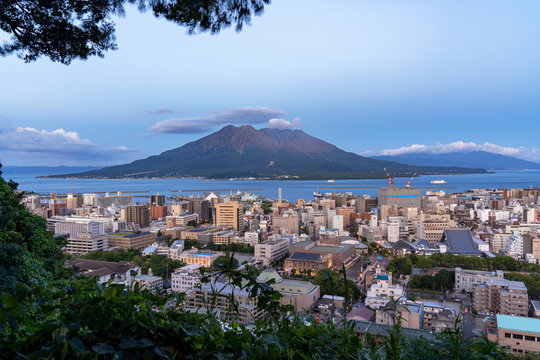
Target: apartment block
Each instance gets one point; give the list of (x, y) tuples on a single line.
[(186, 278), (501, 297), (205, 298), (84, 243), (270, 251), (520, 334), (467, 279)]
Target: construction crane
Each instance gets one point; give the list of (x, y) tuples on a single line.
[(408, 184), (390, 178)]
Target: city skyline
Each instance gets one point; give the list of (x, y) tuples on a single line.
[(375, 79)]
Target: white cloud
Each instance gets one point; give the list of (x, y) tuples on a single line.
[(214, 119), (531, 154), (58, 144), (283, 124)]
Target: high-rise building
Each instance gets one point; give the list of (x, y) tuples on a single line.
[(138, 214), (74, 201), (200, 207), (78, 225), (230, 214), (401, 197), (86, 242), (501, 296), (157, 199), (158, 212), (56, 204)]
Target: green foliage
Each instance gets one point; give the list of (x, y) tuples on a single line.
[(242, 248), (160, 265), (191, 243), (64, 30), (532, 282), (331, 283), (400, 266), (225, 262), (267, 207), (28, 252), (113, 256), (505, 263), (441, 281)]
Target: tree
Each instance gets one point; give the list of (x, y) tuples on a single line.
[(64, 30), (225, 262)]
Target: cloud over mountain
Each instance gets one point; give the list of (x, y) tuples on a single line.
[(214, 119)]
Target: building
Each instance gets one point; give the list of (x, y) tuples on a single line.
[(200, 207), (158, 212), (84, 243), (128, 240), (380, 292), (461, 241), (121, 271), (271, 250), (157, 199), (520, 334), (154, 284), (301, 262), (138, 214), (230, 214), (223, 237), (74, 226), (108, 200), (246, 312), (186, 278), (411, 314), (181, 220), (514, 245), (467, 279), (431, 227), (288, 222), (74, 201), (337, 255), (401, 197), (300, 294), (501, 297), (204, 258)]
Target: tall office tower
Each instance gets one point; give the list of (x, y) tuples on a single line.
[(200, 207), (230, 214), (56, 204), (74, 201), (158, 200), (138, 214)]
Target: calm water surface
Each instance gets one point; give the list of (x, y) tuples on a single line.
[(291, 189)]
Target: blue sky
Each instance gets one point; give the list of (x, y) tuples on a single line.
[(367, 76)]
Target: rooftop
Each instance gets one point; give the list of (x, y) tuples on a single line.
[(460, 241), (518, 323), (305, 256)]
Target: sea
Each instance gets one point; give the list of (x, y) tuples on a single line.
[(291, 190)]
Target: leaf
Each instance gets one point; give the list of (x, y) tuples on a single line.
[(9, 302), (128, 344), (162, 352), (77, 344), (103, 348)]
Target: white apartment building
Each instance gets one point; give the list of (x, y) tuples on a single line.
[(74, 226), (498, 242), (393, 232), (186, 278), (84, 243), (467, 279), (380, 292), (514, 245), (251, 238), (149, 282), (270, 251)]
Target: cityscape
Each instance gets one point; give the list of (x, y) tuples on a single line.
[(276, 180), (432, 258)]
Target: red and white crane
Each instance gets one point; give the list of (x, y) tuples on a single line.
[(409, 182), (390, 178)]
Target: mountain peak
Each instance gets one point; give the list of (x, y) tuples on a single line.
[(243, 151)]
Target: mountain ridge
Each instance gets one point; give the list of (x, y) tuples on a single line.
[(241, 152), (472, 159)]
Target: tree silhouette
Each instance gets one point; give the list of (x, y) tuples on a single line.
[(64, 30)]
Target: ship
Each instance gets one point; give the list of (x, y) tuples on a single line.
[(317, 194), (331, 181), (438, 181)]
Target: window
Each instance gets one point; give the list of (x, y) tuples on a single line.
[(530, 338), (507, 335), (517, 336)]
